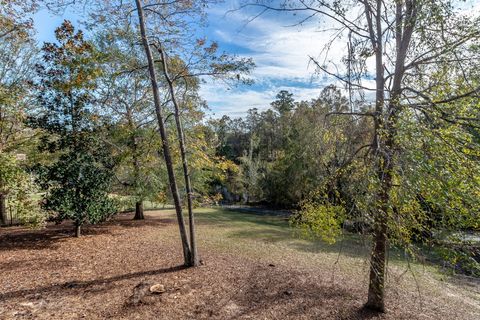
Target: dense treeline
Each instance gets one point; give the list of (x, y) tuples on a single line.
[(317, 151), (293, 149)]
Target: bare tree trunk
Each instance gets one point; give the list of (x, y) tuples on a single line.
[(78, 228), (164, 136), (139, 211), (376, 289), (194, 260), (3, 209)]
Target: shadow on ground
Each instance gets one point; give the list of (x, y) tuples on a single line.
[(21, 238), (49, 238), (279, 293), (28, 264), (73, 287)]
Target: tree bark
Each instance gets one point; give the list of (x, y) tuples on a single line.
[(164, 136), (138, 211), (3, 209), (194, 260), (78, 228), (384, 146), (376, 289), (136, 168)]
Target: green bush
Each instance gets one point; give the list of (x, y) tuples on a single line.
[(20, 189)]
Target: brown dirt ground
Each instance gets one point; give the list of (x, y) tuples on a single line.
[(47, 274)]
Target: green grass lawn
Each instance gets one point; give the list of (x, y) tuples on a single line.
[(271, 239), (244, 228)]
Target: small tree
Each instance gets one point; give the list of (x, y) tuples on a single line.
[(284, 102), (77, 189), (77, 183)]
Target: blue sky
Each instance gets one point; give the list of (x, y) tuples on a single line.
[(281, 54)]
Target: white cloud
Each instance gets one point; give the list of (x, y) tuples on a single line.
[(281, 55), (280, 51), (235, 103)]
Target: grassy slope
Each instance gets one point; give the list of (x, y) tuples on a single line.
[(271, 239)]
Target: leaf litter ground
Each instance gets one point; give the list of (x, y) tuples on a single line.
[(253, 269)]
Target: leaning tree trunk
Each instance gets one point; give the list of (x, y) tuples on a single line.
[(164, 136), (194, 261)]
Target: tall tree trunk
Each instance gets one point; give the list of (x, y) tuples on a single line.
[(3, 209), (78, 228), (376, 289), (385, 134), (139, 211), (194, 260), (164, 136)]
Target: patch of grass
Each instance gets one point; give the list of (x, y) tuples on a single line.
[(247, 227), (271, 240)]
